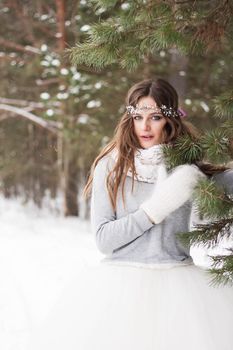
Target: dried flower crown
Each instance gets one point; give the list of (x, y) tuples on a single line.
[(167, 111)]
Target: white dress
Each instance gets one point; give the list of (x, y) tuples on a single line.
[(153, 307), (132, 306)]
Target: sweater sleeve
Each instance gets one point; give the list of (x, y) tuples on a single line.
[(225, 179), (112, 233)]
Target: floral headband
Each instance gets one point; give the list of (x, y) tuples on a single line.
[(167, 111)]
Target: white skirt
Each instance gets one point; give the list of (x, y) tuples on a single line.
[(120, 307)]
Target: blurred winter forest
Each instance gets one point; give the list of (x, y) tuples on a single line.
[(56, 116)]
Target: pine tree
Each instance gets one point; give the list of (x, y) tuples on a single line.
[(214, 203), (131, 31), (72, 105)]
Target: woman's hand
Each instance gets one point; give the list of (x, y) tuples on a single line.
[(171, 191)]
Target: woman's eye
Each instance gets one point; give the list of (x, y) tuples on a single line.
[(156, 117), (136, 117)]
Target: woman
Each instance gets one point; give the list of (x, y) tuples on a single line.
[(146, 293)]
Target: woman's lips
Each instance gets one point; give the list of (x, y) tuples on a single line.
[(146, 138)]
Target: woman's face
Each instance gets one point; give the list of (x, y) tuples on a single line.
[(148, 124)]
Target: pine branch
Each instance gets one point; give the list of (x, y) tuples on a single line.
[(154, 26), (223, 105), (212, 200), (105, 3), (93, 56), (130, 62), (166, 36), (227, 126), (215, 145), (129, 32), (213, 25), (207, 235), (105, 32), (189, 148), (221, 269), (184, 150)]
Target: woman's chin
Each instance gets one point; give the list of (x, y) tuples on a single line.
[(148, 144)]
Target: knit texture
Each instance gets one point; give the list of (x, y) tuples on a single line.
[(146, 162), (172, 192)]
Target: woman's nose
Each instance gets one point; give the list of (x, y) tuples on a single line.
[(145, 125)]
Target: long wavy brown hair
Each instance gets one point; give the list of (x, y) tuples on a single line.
[(126, 142)]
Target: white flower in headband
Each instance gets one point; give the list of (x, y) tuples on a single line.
[(167, 111)]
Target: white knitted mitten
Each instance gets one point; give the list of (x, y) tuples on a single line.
[(171, 192)]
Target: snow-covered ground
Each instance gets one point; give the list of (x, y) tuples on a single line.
[(40, 252), (39, 255)]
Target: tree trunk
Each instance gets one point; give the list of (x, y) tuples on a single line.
[(71, 188), (68, 168), (68, 178), (177, 77), (60, 5)]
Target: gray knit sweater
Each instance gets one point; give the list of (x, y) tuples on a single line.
[(127, 234)]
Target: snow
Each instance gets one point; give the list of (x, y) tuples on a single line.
[(64, 71), (204, 106), (55, 62), (85, 28), (76, 76), (62, 95), (45, 63), (50, 112), (187, 101), (93, 104), (40, 253), (98, 85), (44, 95), (44, 48)]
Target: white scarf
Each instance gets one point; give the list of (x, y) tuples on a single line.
[(147, 162)]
